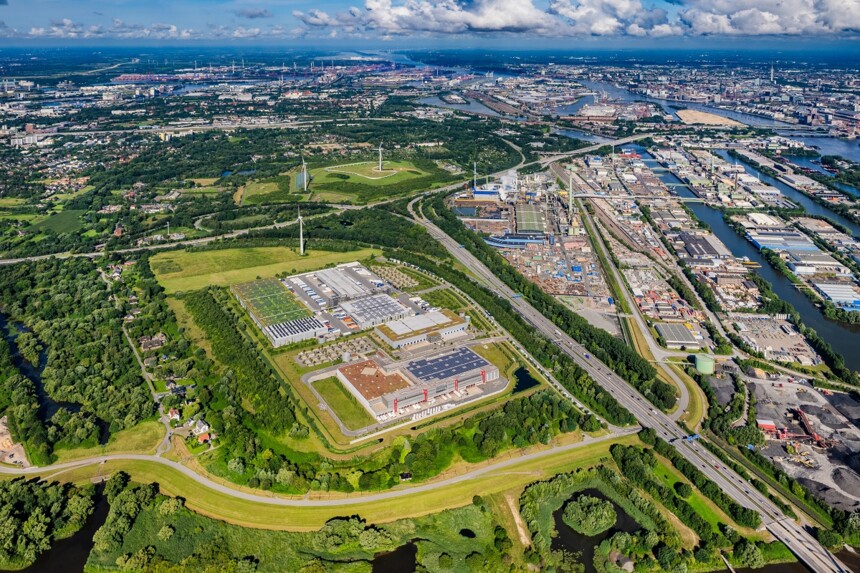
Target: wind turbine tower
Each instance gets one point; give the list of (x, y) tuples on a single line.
[(380, 157), (301, 233), (304, 177), (475, 175)]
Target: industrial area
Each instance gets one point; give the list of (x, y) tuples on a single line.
[(812, 435)]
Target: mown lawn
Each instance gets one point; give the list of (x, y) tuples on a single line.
[(344, 405), (141, 439), (185, 271)]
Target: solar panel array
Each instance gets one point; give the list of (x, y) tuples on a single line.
[(446, 366), (294, 327)]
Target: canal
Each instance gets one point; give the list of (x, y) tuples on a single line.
[(797, 197), (842, 337)]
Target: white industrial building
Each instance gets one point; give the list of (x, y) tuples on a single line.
[(422, 328), (295, 331)]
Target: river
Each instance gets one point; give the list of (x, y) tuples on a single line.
[(807, 163), (808, 204), (826, 145), (842, 337), (70, 555)]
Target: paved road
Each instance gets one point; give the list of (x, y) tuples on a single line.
[(801, 542), (684, 395), (301, 502)]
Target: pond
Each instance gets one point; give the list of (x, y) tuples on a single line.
[(401, 560), (70, 555), (524, 379), (584, 545)]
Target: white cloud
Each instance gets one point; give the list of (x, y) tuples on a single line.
[(389, 19), (780, 17)]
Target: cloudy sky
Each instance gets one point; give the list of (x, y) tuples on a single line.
[(535, 23)]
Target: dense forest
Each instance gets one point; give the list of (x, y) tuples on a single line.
[(34, 513), (89, 370)]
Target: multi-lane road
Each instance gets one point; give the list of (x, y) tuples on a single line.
[(800, 541)]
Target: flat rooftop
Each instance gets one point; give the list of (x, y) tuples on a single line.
[(529, 219), (676, 333), (379, 307), (446, 366), (419, 324), (371, 381)]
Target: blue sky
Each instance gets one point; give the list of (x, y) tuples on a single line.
[(449, 23)]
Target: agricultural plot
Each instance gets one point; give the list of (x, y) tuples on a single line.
[(270, 302)]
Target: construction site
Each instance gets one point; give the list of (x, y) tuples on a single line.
[(811, 434)]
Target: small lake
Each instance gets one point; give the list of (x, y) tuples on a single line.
[(524, 379), (584, 545), (401, 560)]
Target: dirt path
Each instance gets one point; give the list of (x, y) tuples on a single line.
[(518, 519)]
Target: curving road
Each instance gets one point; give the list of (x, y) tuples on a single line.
[(301, 502)]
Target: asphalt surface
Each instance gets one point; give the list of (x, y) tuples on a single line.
[(801, 542), (354, 499)]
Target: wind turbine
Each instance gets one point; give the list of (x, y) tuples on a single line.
[(304, 176), (301, 233)]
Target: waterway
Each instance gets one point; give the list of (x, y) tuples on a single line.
[(826, 145), (70, 555), (842, 337), (583, 546), (797, 197), (807, 163), (47, 405)]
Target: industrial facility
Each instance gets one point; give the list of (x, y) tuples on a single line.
[(397, 389)]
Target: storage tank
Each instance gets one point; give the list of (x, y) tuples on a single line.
[(346, 357), (705, 363)]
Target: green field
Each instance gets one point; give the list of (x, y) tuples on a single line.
[(270, 301), (239, 511), (62, 222), (184, 271), (365, 173), (343, 404)]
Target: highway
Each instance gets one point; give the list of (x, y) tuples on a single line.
[(802, 543)]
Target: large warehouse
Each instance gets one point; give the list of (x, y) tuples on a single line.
[(431, 326), (375, 310), (402, 388), (295, 331)]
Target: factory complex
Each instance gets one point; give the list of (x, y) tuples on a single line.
[(407, 387), (338, 301)]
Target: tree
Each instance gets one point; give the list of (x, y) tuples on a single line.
[(165, 533), (683, 489), (589, 515), (749, 554)]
